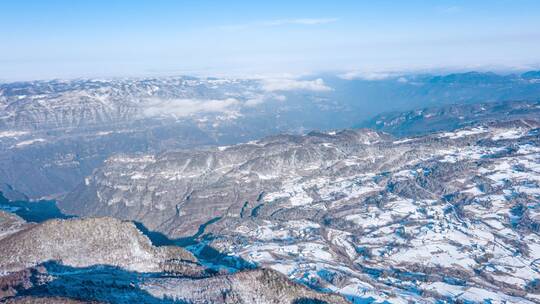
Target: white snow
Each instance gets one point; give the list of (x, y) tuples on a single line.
[(13, 133), (29, 142)]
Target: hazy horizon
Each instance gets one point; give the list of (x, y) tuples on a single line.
[(60, 39)]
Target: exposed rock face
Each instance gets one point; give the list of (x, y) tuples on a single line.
[(85, 242), (450, 215)]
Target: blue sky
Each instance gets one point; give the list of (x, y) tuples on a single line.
[(49, 39)]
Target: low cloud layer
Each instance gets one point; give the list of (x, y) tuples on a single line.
[(187, 107), (272, 85), (260, 99), (366, 75)]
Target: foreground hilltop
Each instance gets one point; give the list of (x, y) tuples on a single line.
[(449, 215), (108, 260), (87, 242)]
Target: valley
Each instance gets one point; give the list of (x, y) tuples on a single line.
[(113, 193)]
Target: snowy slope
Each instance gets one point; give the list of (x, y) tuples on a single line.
[(448, 216)]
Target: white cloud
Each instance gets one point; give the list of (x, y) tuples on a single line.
[(280, 97), (187, 107), (367, 75), (255, 101), (283, 84), (259, 99), (402, 80)]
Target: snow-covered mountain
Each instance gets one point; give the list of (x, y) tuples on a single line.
[(108, 260), (432, 119), (180, 200), (446, 216), (54, 133)]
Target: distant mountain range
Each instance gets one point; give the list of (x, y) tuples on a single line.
[(449, 216), (450, 117), (166, 194), (54, 133)]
